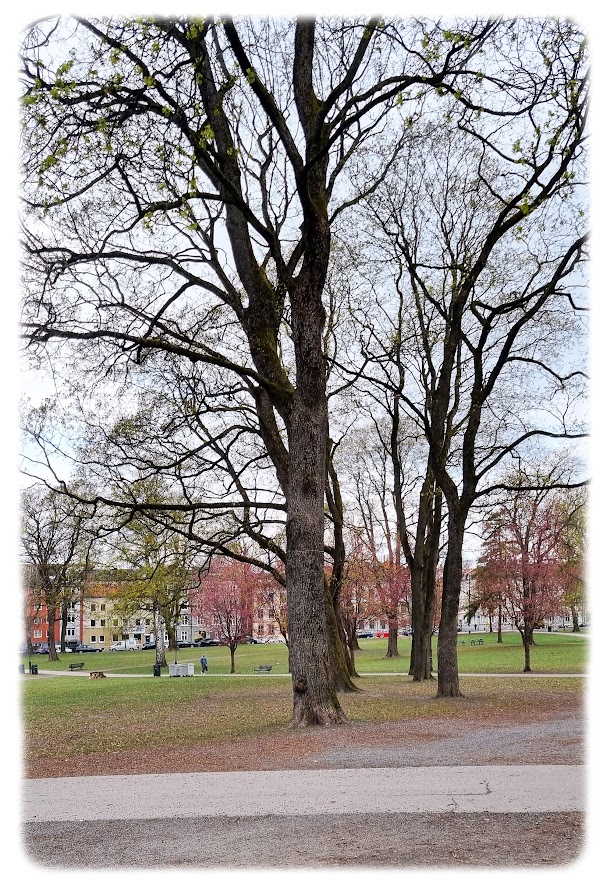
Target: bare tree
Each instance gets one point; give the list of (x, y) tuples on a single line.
[(55, 540), (181, 172)]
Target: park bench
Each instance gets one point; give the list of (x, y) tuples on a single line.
[(476, 641), (76, 666), (264, 668)]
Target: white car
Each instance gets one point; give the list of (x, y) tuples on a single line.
[(123, 646)]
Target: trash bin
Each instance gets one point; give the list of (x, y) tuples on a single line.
[(34, 669), (190, 669), (22, 668), (156, 669)]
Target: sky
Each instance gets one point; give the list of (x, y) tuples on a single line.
[(595, 20)]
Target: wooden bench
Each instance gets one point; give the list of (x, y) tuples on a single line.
[(476, 641), (76, 666), (264, 668)]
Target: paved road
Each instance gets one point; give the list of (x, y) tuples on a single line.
[(426, 789)]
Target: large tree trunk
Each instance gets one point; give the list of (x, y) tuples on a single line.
[(575, 626), (314, 656), (421, 654), (448, 679), (232, 649)]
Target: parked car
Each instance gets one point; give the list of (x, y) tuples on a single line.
[(408, 631), (187, 644), (207, 643), (79, 649), (123, 646), (249, 640), (364, 634), (149, 646)]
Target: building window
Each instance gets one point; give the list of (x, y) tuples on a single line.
[(260, 629), (115, 638), (102, 622), (93, 622), (37, 620), (102, 638), (93, 606), (93, 638), (37, 634), (261, 614), (102, 607), (184, 635)]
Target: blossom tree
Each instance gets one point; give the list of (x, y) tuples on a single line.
[(522, 564), (227, 597)]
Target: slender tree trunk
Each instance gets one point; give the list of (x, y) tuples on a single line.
[(232, 649), (64, 623), (448, 679), (500, 624), (392, 650), (159, 639), (346, 667), (575, 625), (526, 637), (51, 620)]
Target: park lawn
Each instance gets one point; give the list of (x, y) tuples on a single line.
[(219, 660), (553, 653), (66, 716)]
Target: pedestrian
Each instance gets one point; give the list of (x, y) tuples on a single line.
[(204, 664)]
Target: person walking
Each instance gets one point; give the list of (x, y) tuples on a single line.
[(204, 664)]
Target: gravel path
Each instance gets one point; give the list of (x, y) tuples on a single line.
[(396, 840)]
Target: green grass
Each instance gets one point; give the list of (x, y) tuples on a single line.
[(553, 653), (67, 716)]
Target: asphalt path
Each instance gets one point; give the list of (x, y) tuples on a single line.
[(420, 789)]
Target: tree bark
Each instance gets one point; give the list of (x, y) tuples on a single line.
[(159, 640), (51, 619), (64, 623), (448, 680), (313, 654), (575, 625), (526, 637), (392, 650)]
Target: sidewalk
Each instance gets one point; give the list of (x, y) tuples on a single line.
[(437, 789)]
